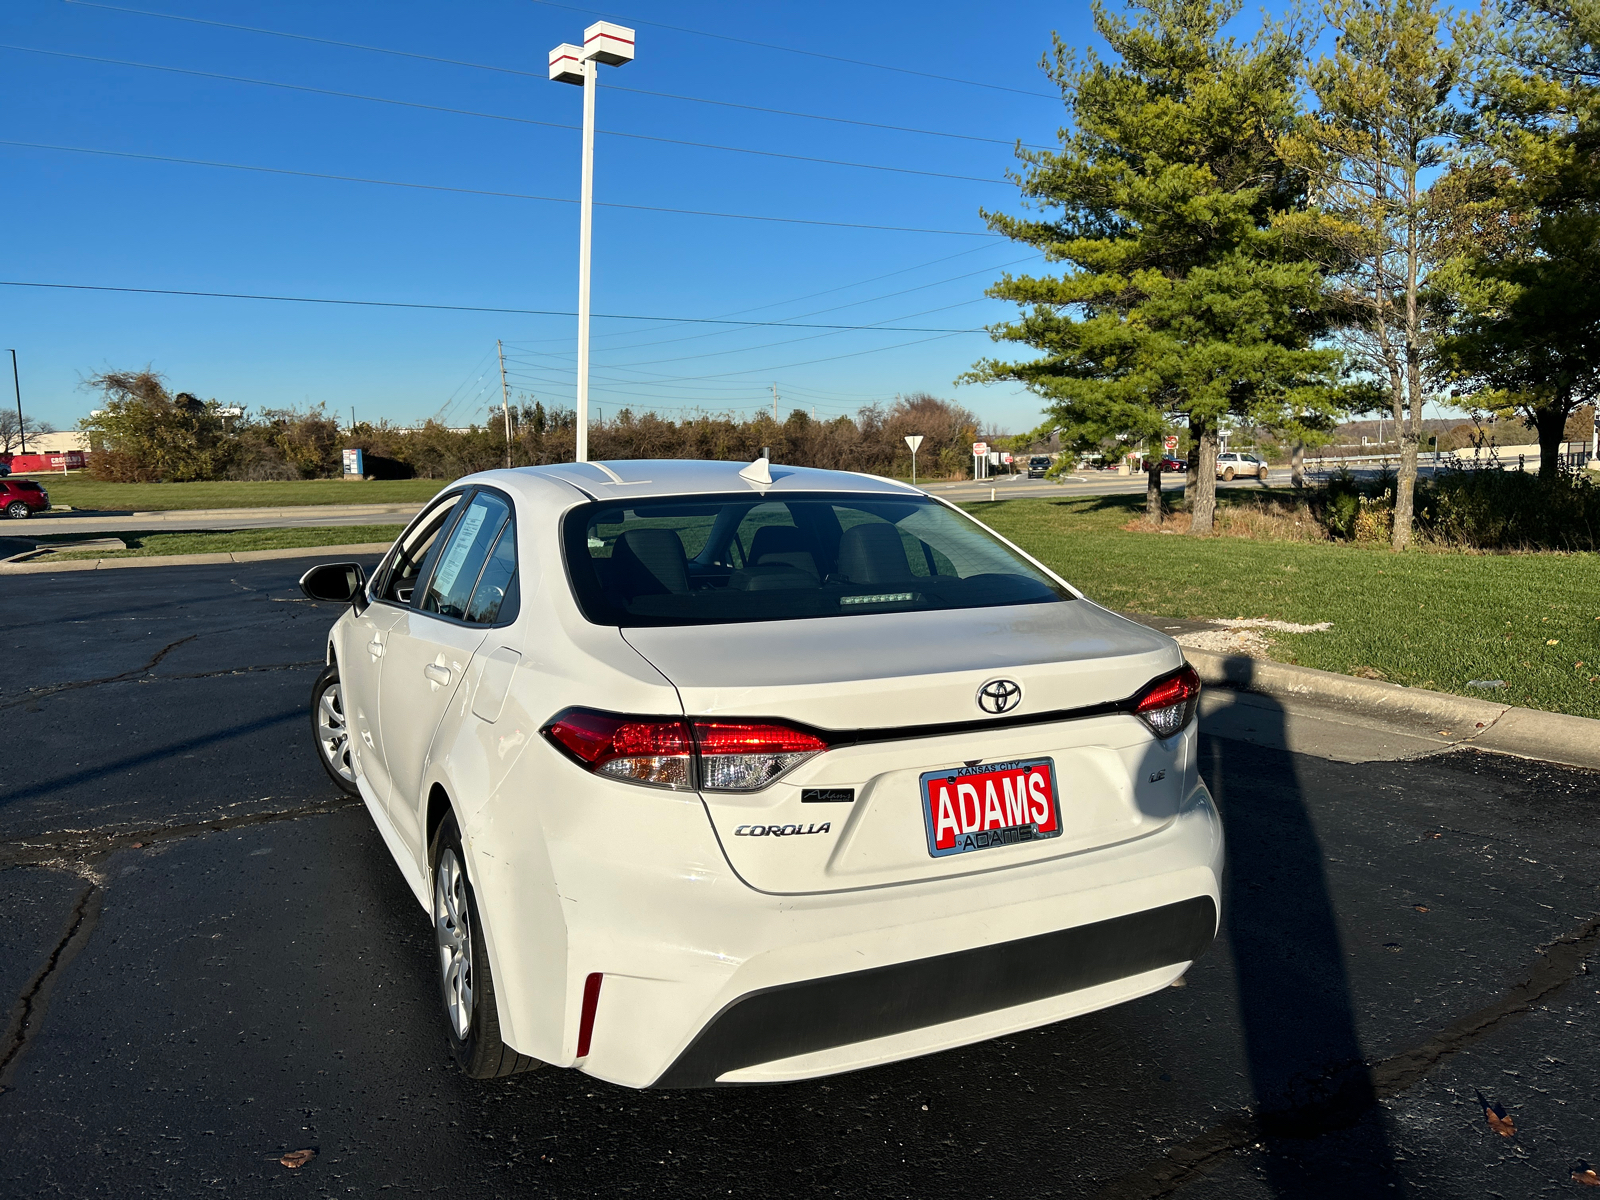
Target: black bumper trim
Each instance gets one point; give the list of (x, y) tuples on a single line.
[(837, 1010)]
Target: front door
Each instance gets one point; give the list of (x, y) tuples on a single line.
[(428, 653), (361, 669)]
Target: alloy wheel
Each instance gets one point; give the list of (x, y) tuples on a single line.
[(333, 733), (17, 510), (453, 930)]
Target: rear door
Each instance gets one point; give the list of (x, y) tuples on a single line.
[(431, 648)]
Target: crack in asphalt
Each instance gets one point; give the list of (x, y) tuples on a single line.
[(81, 855), (82, 851), (53, 689), (1348, 1093), (27, 1015)]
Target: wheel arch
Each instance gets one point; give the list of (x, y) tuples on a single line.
[(438, 808)]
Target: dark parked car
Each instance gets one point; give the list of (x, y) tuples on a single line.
[(22, 498), (1038, 465)]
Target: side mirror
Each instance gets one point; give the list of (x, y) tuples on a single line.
[(336, 583)]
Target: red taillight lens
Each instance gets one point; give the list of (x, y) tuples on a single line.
[(741, 756), (649, 750), (721, 756), (1168, 704)]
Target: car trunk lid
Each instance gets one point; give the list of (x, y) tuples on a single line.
[(897, 699)]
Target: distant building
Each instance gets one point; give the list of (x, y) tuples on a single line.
[(57, 443)]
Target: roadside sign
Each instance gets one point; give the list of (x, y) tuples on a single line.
[(1006, 457), (353, 462), (980, 447), (914, 440), (1172, 444)]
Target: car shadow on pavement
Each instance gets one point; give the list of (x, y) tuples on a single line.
[(1296, 1008)]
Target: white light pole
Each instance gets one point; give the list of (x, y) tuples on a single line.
[(611, 44)]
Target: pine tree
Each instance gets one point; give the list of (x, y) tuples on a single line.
[(1184, 296)]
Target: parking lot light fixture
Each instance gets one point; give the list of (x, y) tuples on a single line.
[(611, 44)]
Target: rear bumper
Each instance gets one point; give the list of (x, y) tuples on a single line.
[(816, 1015), (707, 980)]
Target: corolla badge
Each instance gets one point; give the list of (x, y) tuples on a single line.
[(999, 695)]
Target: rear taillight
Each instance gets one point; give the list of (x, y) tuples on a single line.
[(741, 756), (719, 756), (1168, 704), (653, 751)]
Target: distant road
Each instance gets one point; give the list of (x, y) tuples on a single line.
[(1004, 487)]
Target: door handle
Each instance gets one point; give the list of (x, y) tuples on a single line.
[(375, 648), (437, 674)]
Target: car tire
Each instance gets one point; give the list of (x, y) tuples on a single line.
[(461, 963), (330, 728), (18, 510), (1228, 474), (1262, 474)]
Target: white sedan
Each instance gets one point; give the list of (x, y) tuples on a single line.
[(711, 775)]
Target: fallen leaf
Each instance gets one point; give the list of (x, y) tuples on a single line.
[(1499, 1120), (138, 845), (1438, 835), (1553, 642), (1587, 1177), (296, 1159), (1444, 733), (1420, 907)]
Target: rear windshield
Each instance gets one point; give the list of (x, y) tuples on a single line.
[(26, 485), (721, 560)]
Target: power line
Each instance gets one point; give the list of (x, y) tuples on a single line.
[(477, 66), (854, 62), (739, 312), (466, 112), (527, 312), (833, 308), (436, 187)]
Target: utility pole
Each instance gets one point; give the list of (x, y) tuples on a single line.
[(774, 403), (505, 400), (352, 420), (16, 382)]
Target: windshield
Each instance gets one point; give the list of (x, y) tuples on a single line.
[(744, 558)]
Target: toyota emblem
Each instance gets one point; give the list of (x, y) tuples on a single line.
[(999, 695)]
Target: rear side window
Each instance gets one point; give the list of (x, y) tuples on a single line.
[(734, 559), (495, 598), (462, 560)]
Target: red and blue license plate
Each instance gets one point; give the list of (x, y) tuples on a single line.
[(989, 805)]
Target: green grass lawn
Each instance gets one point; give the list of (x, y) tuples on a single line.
[(144, 544), (79, 491), (1425, 618)]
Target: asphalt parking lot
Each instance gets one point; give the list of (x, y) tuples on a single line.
[(207, 960)]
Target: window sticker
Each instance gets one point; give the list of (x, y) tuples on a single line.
[(459, 547)]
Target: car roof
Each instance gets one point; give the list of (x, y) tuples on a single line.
[(564, 484)]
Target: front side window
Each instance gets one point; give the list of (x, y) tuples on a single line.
[(410, 557), (459, 565), (723, 560)]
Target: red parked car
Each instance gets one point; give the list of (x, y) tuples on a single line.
[(22, 498)]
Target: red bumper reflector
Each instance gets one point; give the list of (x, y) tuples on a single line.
[(591, 1001)]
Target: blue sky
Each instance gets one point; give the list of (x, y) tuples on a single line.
[(96, 219)]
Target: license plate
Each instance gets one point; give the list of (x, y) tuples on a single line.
[(992, 804)]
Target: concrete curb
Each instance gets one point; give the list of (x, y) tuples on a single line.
[(1524, 732), (11, 567)]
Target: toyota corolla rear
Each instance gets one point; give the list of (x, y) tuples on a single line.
[(941, 797)]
